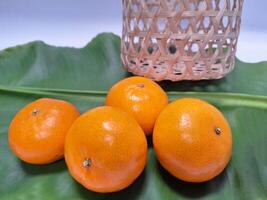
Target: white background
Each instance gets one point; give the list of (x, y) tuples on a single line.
[(75, 22)]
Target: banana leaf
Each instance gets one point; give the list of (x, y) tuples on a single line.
[(83, 76)]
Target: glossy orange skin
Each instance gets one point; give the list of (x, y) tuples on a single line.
[(140, 97), (115, 145), (186, 143), (37, 133)]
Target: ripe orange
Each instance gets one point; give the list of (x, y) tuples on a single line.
[(37, 132), (105, 149), (140, 97), (192, 140)]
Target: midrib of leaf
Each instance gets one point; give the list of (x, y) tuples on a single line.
[(219, 99)]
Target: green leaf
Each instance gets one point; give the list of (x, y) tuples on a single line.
[(82, 76)]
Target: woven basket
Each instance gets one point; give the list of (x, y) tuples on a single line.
[(180, 39)]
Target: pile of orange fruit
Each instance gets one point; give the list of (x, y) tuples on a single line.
[(105, 148)]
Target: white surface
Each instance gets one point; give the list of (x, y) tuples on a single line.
[(73, 34), (252, 46), (75, 22)]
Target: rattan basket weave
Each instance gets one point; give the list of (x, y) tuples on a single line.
[(180, 39)]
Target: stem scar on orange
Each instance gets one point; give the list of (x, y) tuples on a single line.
[(37, 132), (192, 140), (140, 97), (105, 149)]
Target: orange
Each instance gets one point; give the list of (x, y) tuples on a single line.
[(140, 97), (192, 140), (105, 149), (37, 132)]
